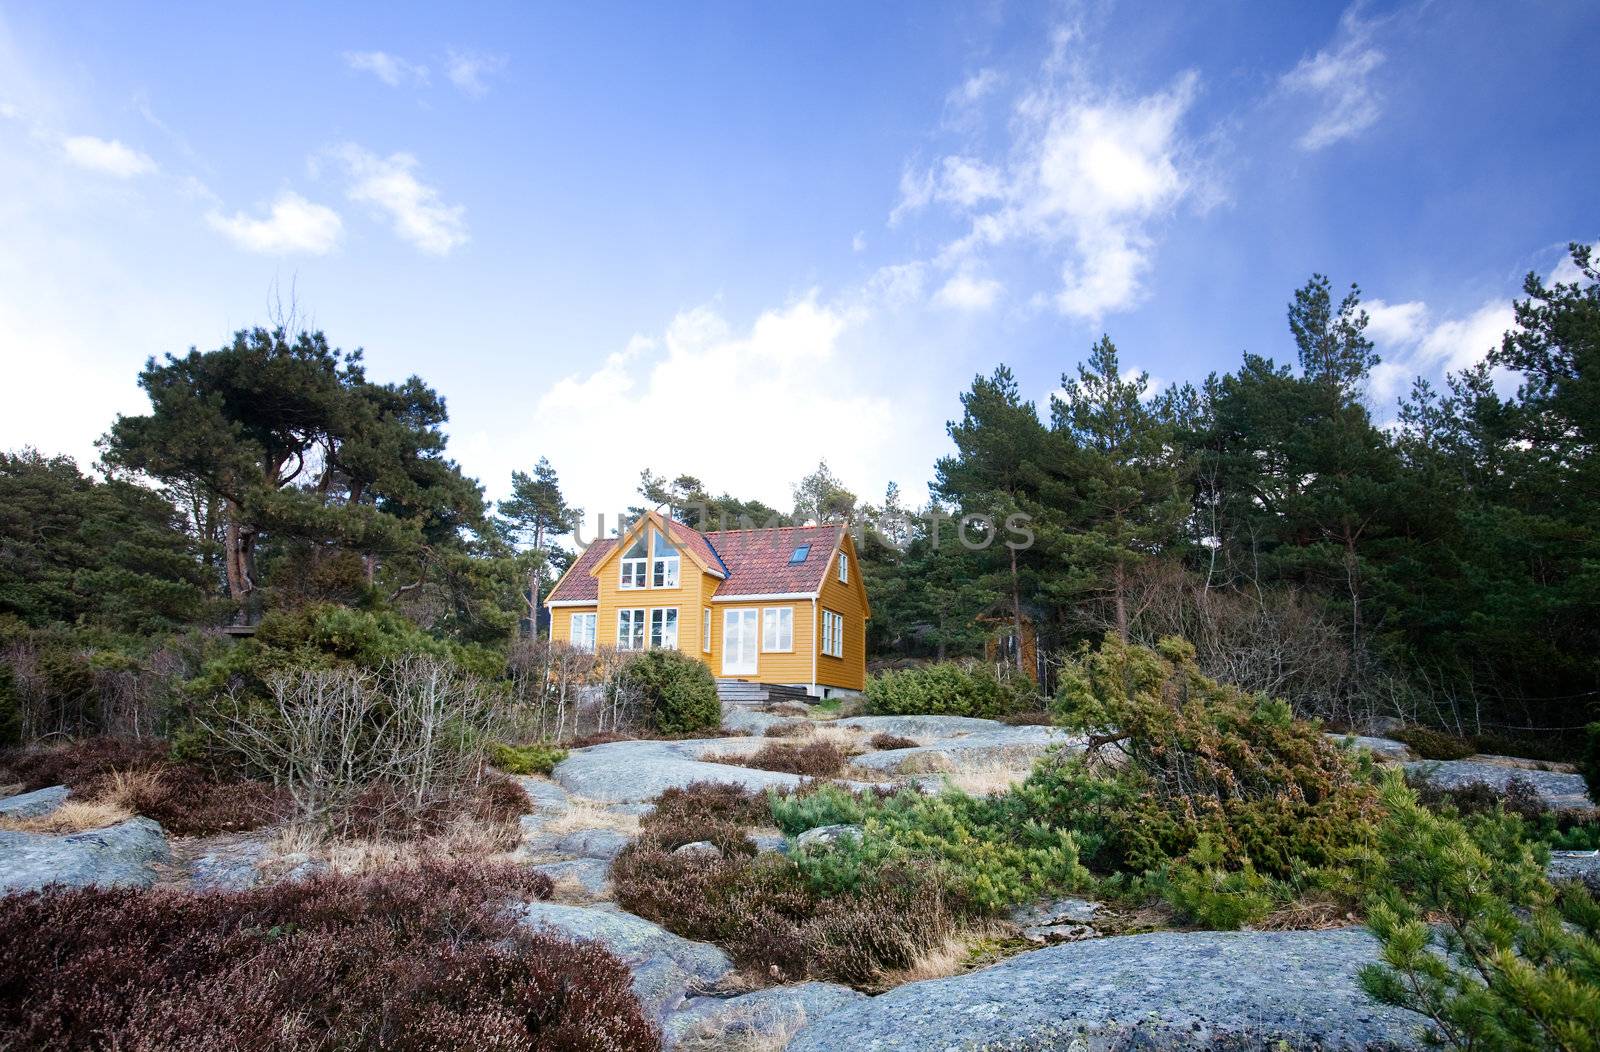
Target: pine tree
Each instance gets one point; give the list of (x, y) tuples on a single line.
[(536, 515), (1127, 505)]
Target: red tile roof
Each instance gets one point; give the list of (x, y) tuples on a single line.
[(579, 584), (692, 538), (758, 560)]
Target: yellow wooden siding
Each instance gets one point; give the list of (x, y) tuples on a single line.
[(561, 621), (687, 598), (849, 600), (790, 666)]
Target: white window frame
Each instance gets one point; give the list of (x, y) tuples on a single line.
[(777, 629), (661, 625), (633, 573), (844, 568), (664, 569), (705, 635), (636, 628), (584, 640), (832, 633)]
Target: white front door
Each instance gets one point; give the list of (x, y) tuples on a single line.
[(740, 634)]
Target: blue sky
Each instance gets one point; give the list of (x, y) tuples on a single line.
[(732, 239)]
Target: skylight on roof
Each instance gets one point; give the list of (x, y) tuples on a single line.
[(799, 554)]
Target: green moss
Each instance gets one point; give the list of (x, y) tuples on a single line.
[(1431, 744), (525, 759)]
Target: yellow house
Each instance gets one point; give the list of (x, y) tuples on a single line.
[(783, 605)]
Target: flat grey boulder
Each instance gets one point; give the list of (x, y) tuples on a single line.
[(699, 849), (604, 844), (765, 843), (938, 728), (36, 804), (1582, 866), (952, 755), (744, 720), (1057, 920), (771, 1014), (1168, 990), (666, 967), (118, 856), (825, 836), (636, 771), (631, 938), (1556, 789), (1381, 748), (544, 797), (592, 875), (231, 866)]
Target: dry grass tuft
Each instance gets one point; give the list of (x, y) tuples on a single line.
[(73, 816), (571, 892), (587, 814), (466, 838), (939, 961), (1309, 915), (765, 1029), (988, 777)]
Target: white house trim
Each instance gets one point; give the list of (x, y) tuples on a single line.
[(573, 602), (761, 596)]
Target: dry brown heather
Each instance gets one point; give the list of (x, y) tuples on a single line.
[(418, 959)]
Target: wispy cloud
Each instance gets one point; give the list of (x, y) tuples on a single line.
[(1339, 80), (391, 69), (107, 156), (790, 355), (294, 225), (969, 292), (415, 209), (1087, 174), (1414, 342), (470, 70)]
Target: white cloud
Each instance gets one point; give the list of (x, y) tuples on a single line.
[(1413, 343), (966, 291), (390, 184), (977, 87), (1395, 323), (1339, 79), (469, 70), (790, 356), (1088, 175), (294, 225), (391, 69), (1458, 343), (859, 242), (109, 157), (896, 285)]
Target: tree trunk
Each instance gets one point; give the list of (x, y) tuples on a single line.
[(1119, 585), (533, 582), (240, 554), (1016, 605)]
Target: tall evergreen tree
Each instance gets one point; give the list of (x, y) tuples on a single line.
[(289, 438), (1001, 465), (536, 515), (1127, 505)]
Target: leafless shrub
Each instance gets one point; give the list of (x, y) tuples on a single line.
[(1281, 643), (71, 692), (402, 737), (561, 692)]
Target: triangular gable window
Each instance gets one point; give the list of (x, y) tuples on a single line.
[(650, 561)]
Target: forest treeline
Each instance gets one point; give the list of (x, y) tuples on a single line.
[(1440, 566)]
